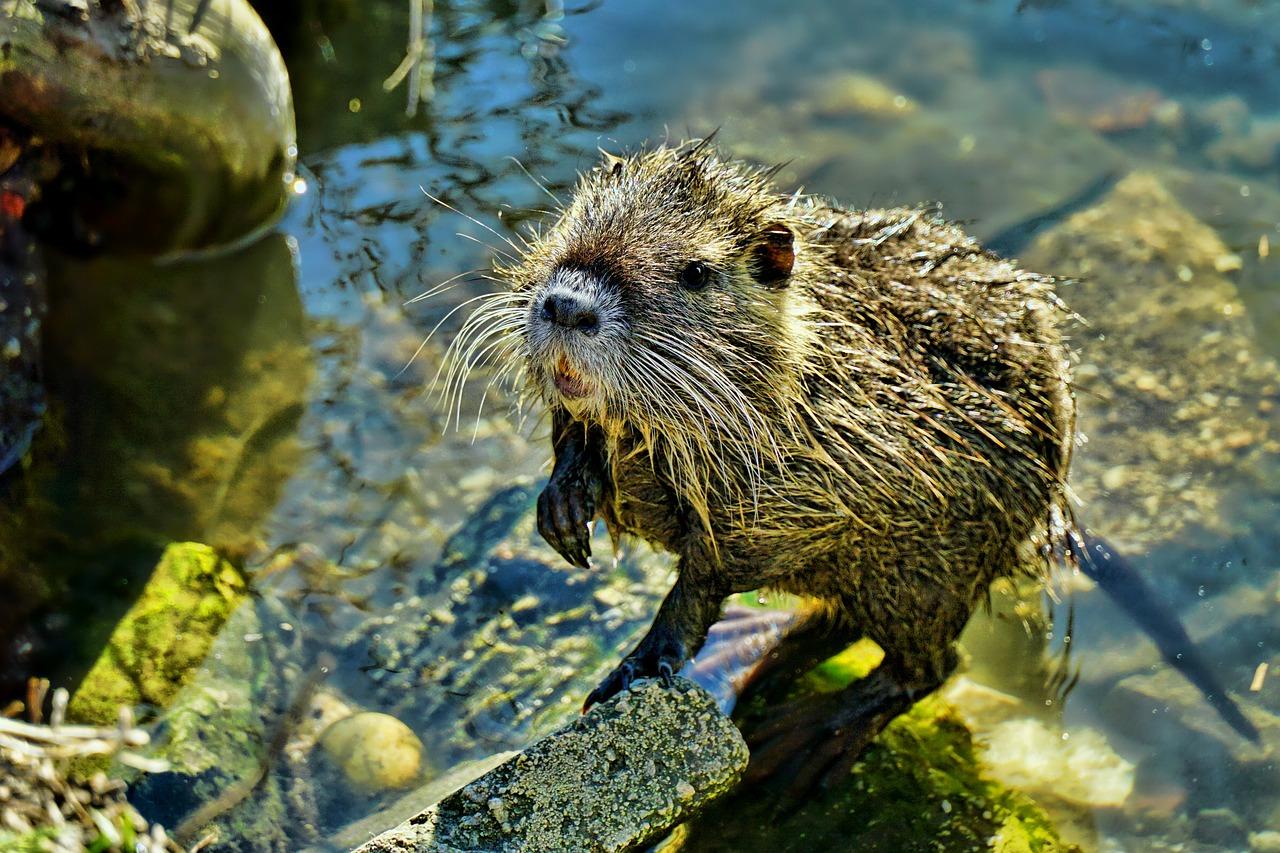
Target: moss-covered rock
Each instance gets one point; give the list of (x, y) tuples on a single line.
[(221, 736), (611, 780), (164, 637), (919, 786), (149, 446)]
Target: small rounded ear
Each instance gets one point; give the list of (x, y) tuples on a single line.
[(773, 255), (612, 165)]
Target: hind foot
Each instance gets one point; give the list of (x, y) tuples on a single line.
[(810, 640), (812, 743)]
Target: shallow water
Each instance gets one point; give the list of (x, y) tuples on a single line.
[(274, 402)]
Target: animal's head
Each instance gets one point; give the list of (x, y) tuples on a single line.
[(660, 296), (660, 301)]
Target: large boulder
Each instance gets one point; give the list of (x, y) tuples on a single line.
[(180, 113)]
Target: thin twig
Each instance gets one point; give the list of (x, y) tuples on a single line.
[(419, 61)]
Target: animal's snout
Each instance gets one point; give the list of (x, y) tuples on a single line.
[(570, 311)]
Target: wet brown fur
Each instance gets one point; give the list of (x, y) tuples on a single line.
[(901, 429)]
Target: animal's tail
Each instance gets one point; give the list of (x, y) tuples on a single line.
[(1120, 580)]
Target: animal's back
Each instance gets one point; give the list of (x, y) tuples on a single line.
[(937, 412)]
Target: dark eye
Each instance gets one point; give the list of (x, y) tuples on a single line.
[(695, 276)]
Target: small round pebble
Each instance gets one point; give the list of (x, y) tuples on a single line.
[(376, 752), (1267, 841)]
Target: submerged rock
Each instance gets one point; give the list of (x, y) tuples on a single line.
[(1256, 148), (1267, 841), (1061, 766), (1079, 94), (1161, 708), (161, 642), (1175, 397), (1078, 766), (187, 448), (615, 779), (1221, 827), (375, 751), (223, 735), (1183, 747), (491, 647), (851, 94)]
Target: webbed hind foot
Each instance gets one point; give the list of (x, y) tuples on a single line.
[(812, 743), (812, 639)]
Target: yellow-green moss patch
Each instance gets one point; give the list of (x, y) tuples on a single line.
[(165, 635), (919, 786)]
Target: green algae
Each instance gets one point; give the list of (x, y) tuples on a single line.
[(152, 445), (35, 841), (164, 637), (919, 786)]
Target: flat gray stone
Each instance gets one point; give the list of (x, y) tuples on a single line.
[(615, 779)]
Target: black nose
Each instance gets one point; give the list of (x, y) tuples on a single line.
[(570, 312)]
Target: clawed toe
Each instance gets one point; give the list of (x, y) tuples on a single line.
[(564, 521), (655, 657), (614, 683), (666, 672)]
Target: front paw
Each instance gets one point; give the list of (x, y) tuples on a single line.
[(657, 656), (566, 509)]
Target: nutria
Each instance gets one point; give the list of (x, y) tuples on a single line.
[(864, 408)]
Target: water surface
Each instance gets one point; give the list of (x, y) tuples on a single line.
[(275, 402)]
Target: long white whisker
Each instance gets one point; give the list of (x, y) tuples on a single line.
[(508, 348), (472, 362), (437, 326), (447, 284), (498, 317), (479, 326), (559, 204), (504, 238)]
